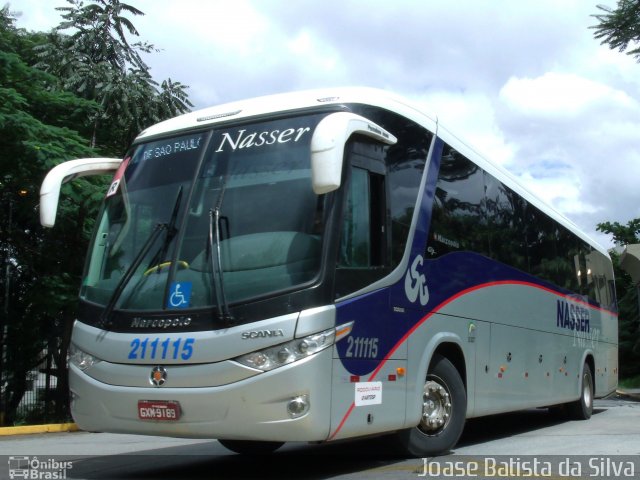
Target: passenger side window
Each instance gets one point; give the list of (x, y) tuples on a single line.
[(362, 255), (405, 162), (457, 221), (355, 245)]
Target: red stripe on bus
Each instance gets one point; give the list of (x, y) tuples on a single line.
[(444, 304), (344, 419)]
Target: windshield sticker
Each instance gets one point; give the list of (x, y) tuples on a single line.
[(172, 147), (242, 140), (179, 295), (115, 183)]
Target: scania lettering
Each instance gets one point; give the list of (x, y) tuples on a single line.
[(263, 334), (325, 265)]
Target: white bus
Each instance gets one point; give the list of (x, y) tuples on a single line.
[(326, 265)]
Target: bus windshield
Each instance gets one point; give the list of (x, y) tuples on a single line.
[(153, 247)]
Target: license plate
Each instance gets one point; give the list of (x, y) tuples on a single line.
[(165, 410)]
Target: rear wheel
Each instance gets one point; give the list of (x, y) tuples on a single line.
[(251, 447), (444, 406), (582, 408)]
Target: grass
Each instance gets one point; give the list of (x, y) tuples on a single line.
[(630, 382)]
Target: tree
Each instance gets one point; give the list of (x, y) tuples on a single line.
[(100, 33), (94, 97), (620, 27), (98, 62), (622, 234), (627, 293), (37, 122)]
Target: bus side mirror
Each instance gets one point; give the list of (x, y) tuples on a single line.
[(327, 147), (65, 172)]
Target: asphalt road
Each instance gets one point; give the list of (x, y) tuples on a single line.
[(520, 437)]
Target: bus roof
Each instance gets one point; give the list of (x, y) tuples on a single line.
[(284, 102)]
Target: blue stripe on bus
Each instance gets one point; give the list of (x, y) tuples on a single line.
[(448, 278), (395, 338)]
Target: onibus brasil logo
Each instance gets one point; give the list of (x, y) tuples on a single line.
[(40, 469)]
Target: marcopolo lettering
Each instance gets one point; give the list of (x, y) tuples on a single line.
[(572, 316), (139, 322), (241, 139)]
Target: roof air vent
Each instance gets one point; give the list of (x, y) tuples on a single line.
[(219, 115)]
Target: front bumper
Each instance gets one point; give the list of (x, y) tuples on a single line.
[(254, 408)]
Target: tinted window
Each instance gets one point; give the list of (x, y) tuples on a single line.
[(503, 209), (362, 257), (600, 278), (405, 163), (474, 211), (541, 245), (355, 243), (457, 221)]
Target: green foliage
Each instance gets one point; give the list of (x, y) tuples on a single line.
[(39, 128), (100, 33), (631, 382), (63, 97), (627, 293), (98, 62), (622, 234), (620, 27)]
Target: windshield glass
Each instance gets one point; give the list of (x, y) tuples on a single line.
[(152, 245)]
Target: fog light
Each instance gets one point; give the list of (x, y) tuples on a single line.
[(298, 406)]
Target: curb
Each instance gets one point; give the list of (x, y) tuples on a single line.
[(633, 395), (30, 429)]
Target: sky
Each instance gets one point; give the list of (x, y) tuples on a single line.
[(522, 81)]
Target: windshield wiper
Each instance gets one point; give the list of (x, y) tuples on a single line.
[(124, 280), (216, 258), (171, 232)]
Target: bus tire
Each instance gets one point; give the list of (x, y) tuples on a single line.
[(582, 408), (444, 407), (251, 447)]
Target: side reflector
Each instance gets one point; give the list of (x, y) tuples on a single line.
[(343, 330)]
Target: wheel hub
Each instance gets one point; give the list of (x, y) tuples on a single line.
[(436, 407)]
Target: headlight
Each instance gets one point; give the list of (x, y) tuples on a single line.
[(80, 359), (285, 353)]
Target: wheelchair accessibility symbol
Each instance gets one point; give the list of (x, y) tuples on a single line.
[(179, 295)]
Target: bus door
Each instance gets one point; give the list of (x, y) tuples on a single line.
[(368, 395)]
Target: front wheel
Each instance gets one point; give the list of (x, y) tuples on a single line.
[(251, 447), (444, 407)]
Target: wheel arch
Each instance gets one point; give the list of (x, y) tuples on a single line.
[(589, 359), (449, 346), (453, 352)]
